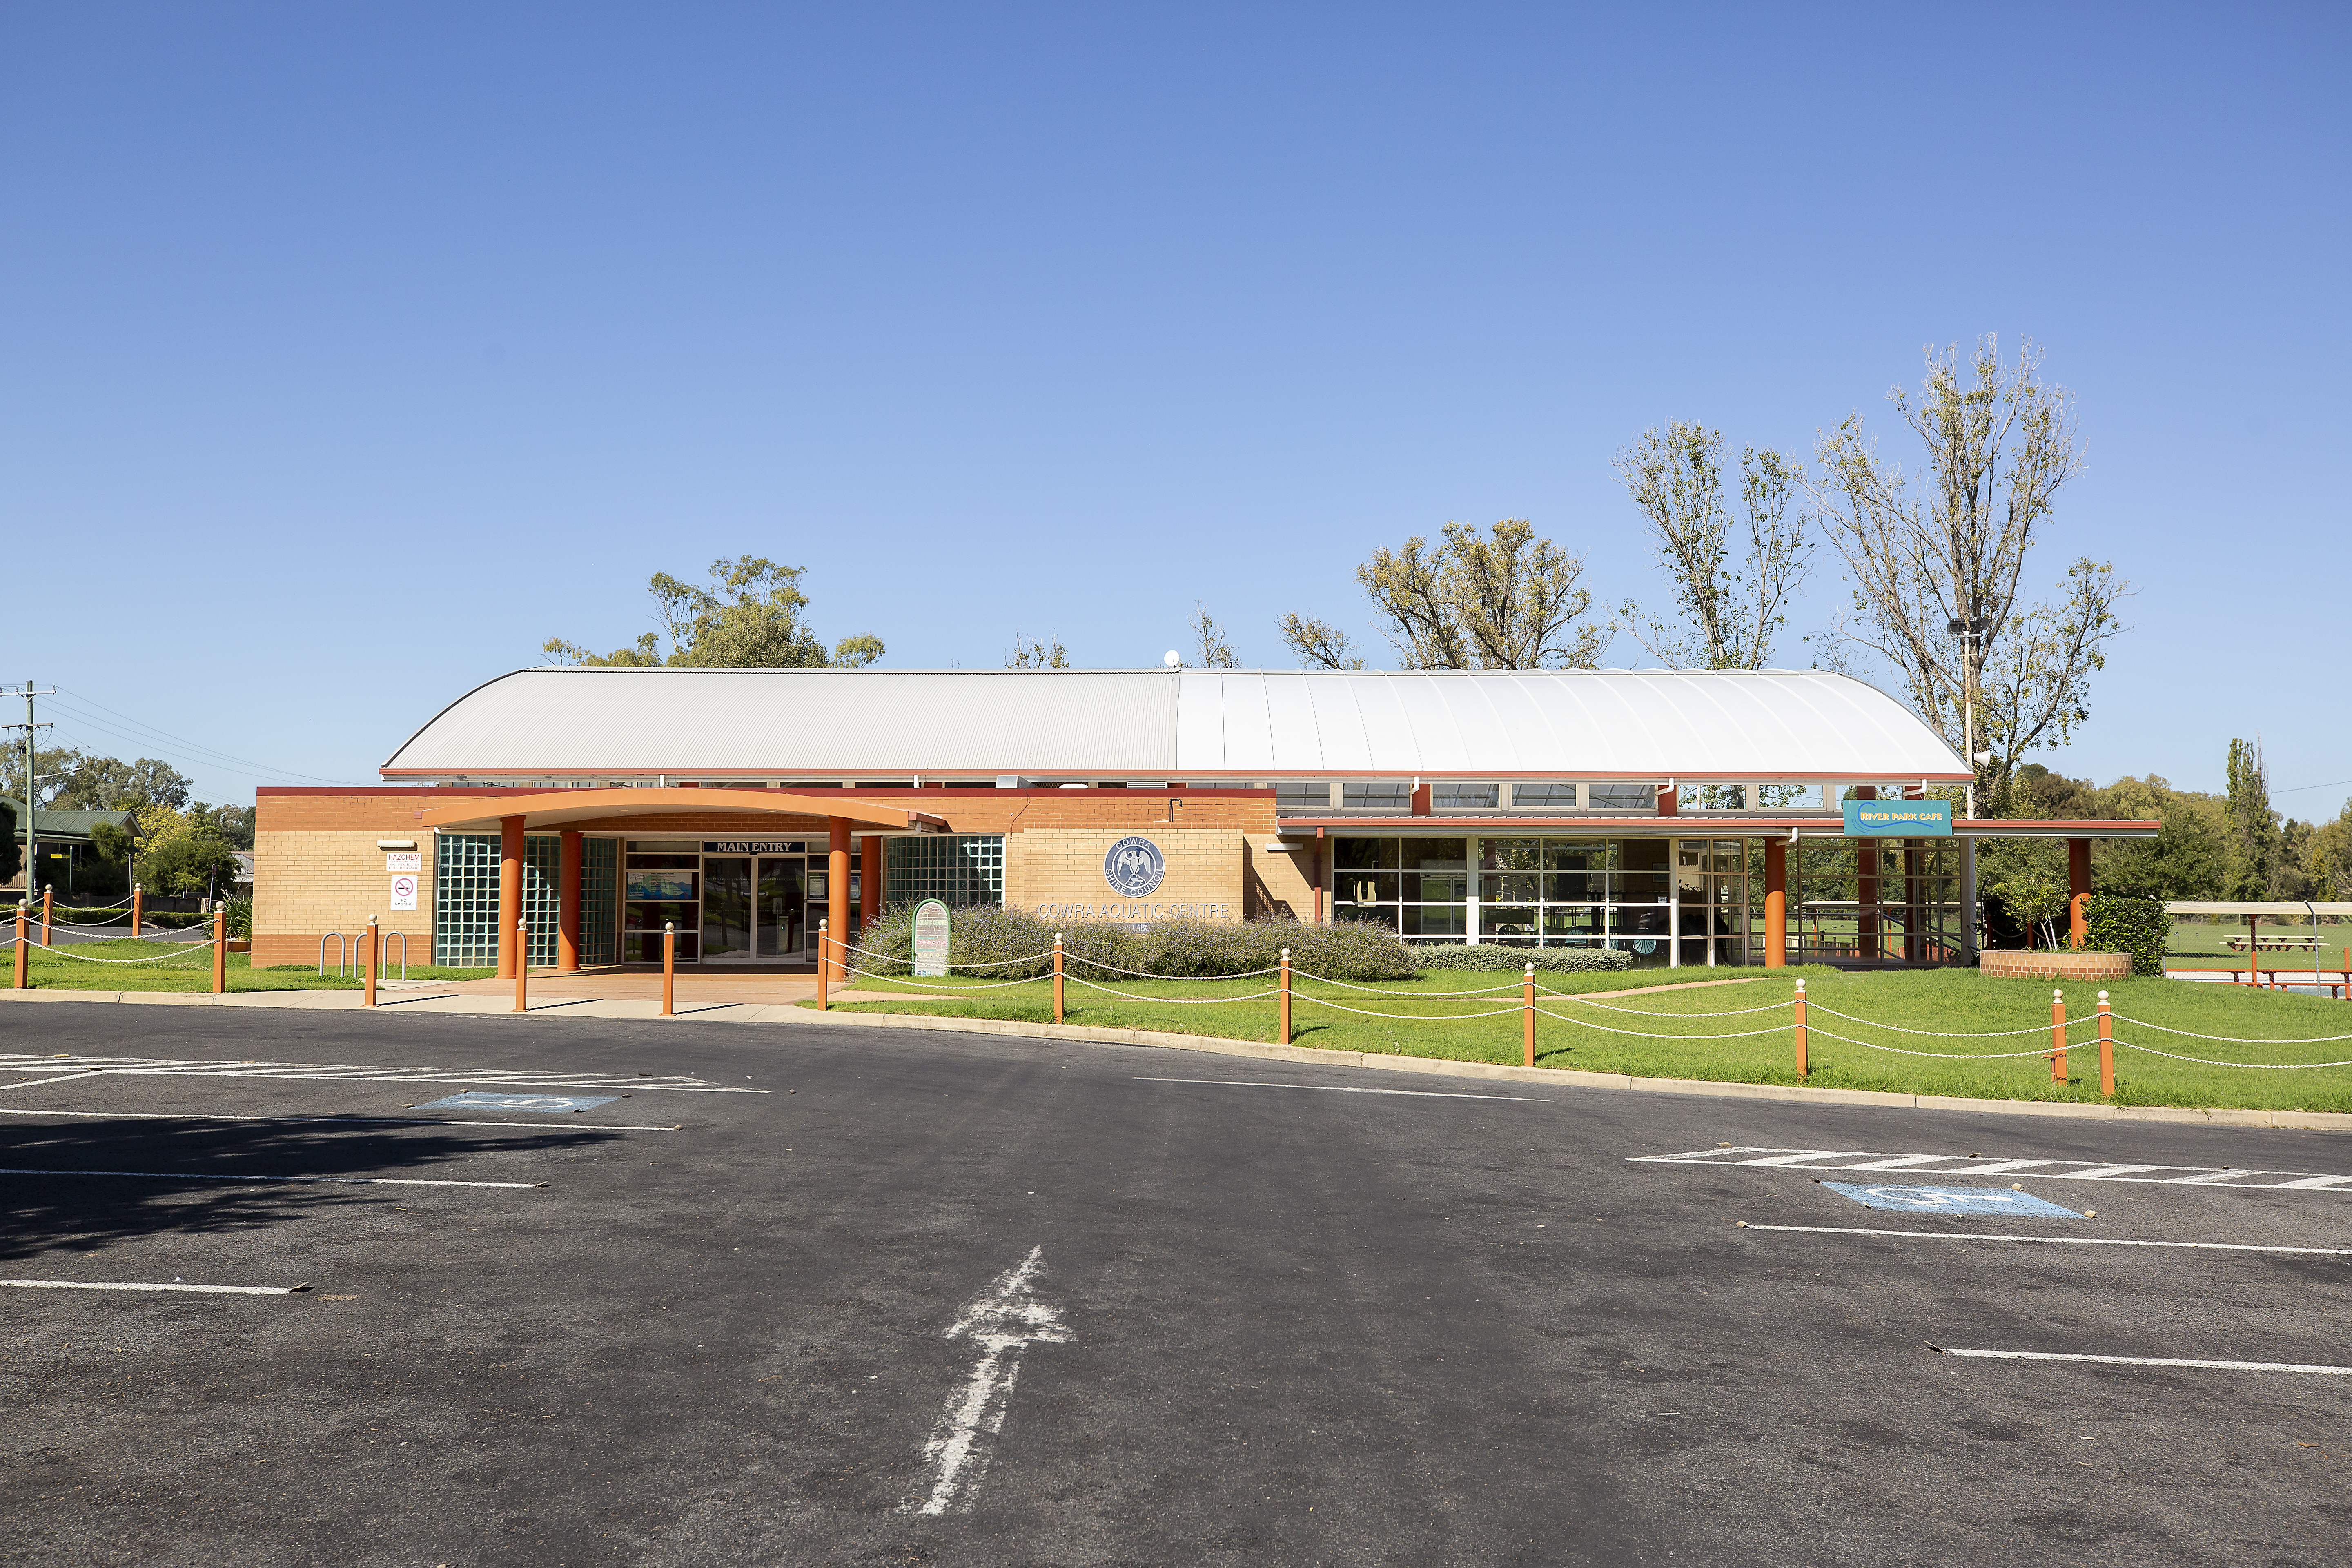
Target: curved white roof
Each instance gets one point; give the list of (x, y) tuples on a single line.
[(1180, 724)]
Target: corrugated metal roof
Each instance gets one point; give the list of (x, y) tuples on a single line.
[(1180, 724)]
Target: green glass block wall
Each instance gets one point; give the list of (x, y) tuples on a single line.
[(464, 899), (955, 869), (599, 889), (543, 877)]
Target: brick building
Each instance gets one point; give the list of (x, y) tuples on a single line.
[(1688, 818)]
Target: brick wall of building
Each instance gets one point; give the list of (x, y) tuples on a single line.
[(317, 867)]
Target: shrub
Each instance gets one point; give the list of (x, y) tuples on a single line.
[(240, 915), (983, 937), (1547, 960), (2137, 926)]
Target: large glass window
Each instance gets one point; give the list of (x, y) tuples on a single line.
[(1869, 901), (466, 872), (1536, 891)]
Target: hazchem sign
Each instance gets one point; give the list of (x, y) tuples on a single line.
[(405, 860), (1899, 819)]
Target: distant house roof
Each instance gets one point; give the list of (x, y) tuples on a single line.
[(1177, 724), (70, 825)]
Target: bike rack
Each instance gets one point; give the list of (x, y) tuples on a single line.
[(403, 951), (342, 951)]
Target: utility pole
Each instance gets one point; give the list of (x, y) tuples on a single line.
[(32, 834), (1971, 631)]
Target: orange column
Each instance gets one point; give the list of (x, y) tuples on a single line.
[(567, 908), (1866, 886), (869, 880), (509, 893), (1776, 904), (2078, 888), (138, 911), (836, 908)]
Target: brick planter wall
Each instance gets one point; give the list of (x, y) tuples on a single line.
[(2064, 964)]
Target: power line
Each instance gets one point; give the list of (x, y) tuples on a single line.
[(261, 770), (2298, 789)]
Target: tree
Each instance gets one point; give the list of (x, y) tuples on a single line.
[(51, 769), (1938, 567), (1030, 655), (1500, 601), (2254, 826), (1319, 644), (193, 862), (1729, 613), (1215, 650), (748, 617)]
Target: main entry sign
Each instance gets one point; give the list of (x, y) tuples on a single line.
[(1899, 819)]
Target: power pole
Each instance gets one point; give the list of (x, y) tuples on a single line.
[(32, 833)]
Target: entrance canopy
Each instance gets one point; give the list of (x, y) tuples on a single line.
[(555, 808)]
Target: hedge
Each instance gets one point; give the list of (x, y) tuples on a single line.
[(2137, 926), (1547, 960), (982, 936)]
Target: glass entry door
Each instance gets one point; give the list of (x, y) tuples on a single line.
[(782, 909), (726, 911)]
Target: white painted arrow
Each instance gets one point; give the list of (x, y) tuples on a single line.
[(1003, 1323)]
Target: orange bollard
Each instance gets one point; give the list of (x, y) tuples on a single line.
[(2057, 1036), (220, 951), (1058, 977), (1528, 1017), (137, 899), (820, 963), (669, 970), (367, 962), (523, 967), (2106, 1048), (1802, 1069), (49, 896), (1282, 1036), (23, 931)]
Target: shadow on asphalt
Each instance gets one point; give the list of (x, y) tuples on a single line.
[(39, 1213)]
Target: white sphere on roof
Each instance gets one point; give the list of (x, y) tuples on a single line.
[(1173, 659)]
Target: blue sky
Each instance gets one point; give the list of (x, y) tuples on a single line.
[(353, 351)]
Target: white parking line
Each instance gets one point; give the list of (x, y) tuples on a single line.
[(2044, 1240), (109, 1285), (208, 1176), (2148, 1361), (341, 1121), (321, 1072), (1975, 1165), (1336, 1089)]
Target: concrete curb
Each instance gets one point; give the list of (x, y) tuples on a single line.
[(1207, 1045)]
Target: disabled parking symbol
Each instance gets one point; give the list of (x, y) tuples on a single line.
[(1950, 1200), (480, 1101)]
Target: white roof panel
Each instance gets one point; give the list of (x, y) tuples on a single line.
[(1180, 724)]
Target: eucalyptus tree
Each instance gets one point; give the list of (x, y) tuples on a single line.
[(1939, 562), (1729, 606), (1500, 599), (749, 615)]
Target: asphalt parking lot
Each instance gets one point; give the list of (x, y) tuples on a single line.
[(831, 1295)]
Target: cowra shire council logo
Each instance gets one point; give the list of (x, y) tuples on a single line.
[(1134, 867)]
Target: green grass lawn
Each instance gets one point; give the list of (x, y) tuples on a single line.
[(1958, 1001), (190, 971)]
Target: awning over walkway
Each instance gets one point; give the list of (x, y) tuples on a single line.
[(557, 808)]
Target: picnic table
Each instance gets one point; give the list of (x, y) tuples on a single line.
[(2276, 944)]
